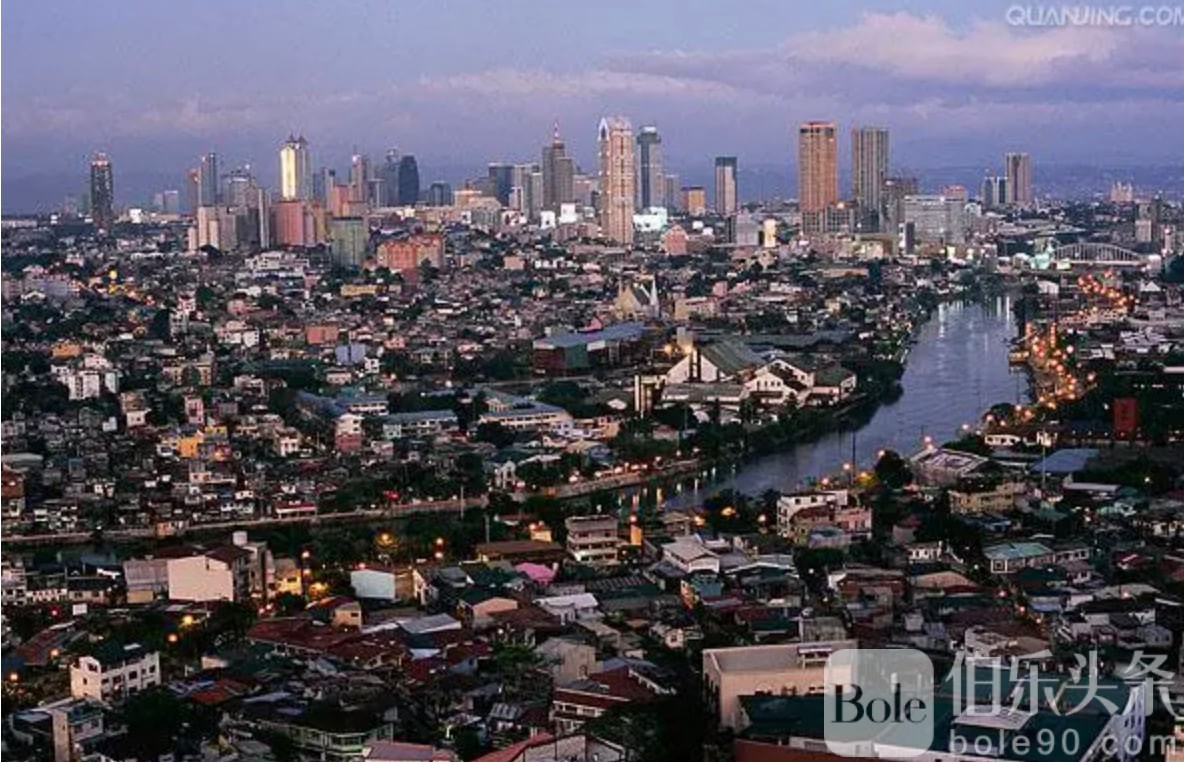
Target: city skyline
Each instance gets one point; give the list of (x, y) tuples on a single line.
[(1061, 93)]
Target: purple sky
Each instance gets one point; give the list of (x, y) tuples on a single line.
[(463, 82)]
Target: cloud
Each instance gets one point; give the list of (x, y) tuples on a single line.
[(915, 73)]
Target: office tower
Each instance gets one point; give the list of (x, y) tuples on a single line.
[(534, 192), (359, 179), (501, 181), (192, 190), (671, 198), (348, 239), (408, 181), (936, 219), (170, 201), (263, 213), (207, 180), (694, 200), (558, 173), (238, 187), (583, 190), (649, 162), (818, 168), (323, 184), (725, 185), (993, 193), (892, 195), (102, 192), (615, 138), (869, 166), (295, 170), (390, 178), (1017, 167), (440, 194)]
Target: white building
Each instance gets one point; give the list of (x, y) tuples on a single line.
[(115, 672)]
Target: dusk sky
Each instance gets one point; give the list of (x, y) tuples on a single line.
[(463, 82)]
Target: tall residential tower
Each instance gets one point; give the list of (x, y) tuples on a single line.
[(102, 192), (615, 140), (818, 168), (869, 168), (1017, 168)]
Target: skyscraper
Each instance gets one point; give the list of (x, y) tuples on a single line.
[(725, 185), (359, 179), (207, 180), (192, 190), (1017, 167), (238, 187), (649, 161), (295, 170), (869, 167), (892, 195), (102, 192), (440, 194), (615, 139), (671, 193), (501, 180), (818, 169), (558, 173), (408, 181), (994, 192), (390, 179)]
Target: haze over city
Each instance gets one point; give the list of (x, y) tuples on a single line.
[(464, 83)]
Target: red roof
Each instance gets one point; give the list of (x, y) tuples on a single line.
[(511, 752)]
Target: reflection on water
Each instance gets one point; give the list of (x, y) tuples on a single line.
[(955, 371)]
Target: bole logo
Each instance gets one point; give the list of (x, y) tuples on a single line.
[(879, 702)]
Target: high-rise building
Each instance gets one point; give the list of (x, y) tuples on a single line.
[(295, 170), (818, 168), (501, 181), (238, 187), (533, 198), (725, 185), (207, 180), (348, 238), (651, 181), (869, 166), (1017, 167), (892, 195), (408, 181), (170, 201), (390, 178), (440, 194), (671, 196), (102, 192), (615, 139), (558, 173), (694, 200), (936, 219), (192, 190), (359, 179)]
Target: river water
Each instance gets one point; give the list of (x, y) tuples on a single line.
[(956, 370)]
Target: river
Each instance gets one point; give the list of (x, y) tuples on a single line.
[(956, 369)]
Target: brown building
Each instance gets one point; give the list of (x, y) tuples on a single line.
[(410, 253), (694, 200), (818, 166)]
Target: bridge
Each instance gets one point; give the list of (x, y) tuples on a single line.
[(1097, 254)]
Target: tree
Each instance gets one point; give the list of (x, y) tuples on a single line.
[(893, 471), (495, 433)]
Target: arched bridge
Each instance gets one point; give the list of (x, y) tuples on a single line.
[(1101, 254)]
